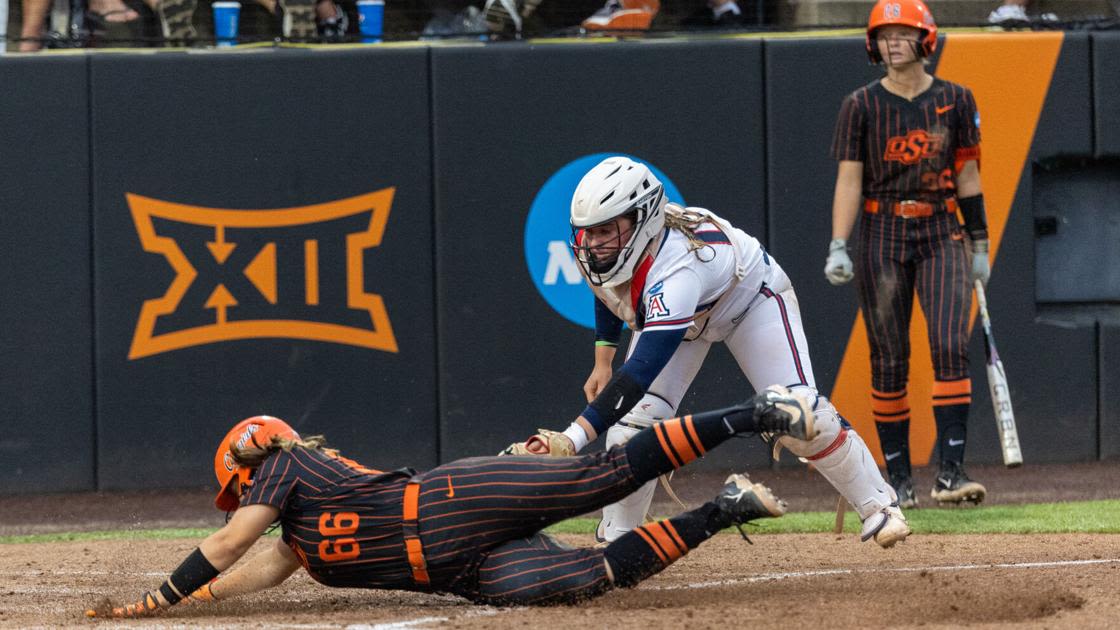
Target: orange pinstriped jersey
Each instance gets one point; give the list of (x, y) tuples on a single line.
[(909, 149), (342, 519)]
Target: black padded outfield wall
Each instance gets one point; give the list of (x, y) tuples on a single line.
[(1106, 92), (46, 373), (515, 127), (1109, 392), (371, 243), (262, 246)]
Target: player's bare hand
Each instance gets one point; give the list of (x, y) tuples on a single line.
[(838, 267), (599, 378)]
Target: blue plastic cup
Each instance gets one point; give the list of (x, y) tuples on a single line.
[(227, 15), (371, 16)]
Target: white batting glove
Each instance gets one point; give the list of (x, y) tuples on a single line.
[(981, 269), (838, 267)]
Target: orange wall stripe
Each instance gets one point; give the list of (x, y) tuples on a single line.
[(1009, 74)]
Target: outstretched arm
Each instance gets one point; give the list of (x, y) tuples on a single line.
[(218, 552), (264, 570)]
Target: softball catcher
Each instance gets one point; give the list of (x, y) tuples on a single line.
[(471, 527), (909, 152), (683, 279)]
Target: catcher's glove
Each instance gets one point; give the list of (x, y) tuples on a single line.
[(545, 443)]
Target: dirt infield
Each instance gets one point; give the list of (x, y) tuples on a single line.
[(811, 580)]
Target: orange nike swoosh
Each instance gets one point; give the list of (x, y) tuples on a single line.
[(955, 237), (942, 110), (450, 488)]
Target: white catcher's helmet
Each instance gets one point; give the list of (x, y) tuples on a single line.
[(616, 187)]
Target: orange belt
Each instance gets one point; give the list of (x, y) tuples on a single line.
[(910, 209), (412, 535)]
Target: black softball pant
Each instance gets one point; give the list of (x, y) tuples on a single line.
[(896, 258), (479, 521)]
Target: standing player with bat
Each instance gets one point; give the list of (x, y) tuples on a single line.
[(909, 153)]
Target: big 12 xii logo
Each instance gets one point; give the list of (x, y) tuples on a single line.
[(293, 273)]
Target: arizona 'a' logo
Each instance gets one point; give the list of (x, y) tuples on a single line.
[(292, 273)]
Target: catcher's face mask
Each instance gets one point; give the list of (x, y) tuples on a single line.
[(617, 209), (600, 245)]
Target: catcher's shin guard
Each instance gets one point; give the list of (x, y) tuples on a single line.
[(840, 454), (624, 516)]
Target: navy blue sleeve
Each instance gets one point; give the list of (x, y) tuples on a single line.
[(652, 354), (608, 327), (634, 378)]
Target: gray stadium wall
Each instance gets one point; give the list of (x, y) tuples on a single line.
[(369, 243)]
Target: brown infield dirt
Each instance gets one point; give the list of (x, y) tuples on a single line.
[(782, 581)]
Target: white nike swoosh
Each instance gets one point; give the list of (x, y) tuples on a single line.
[(953, 442), (728, 425), (890, 456), (620, 399), (945, 482)]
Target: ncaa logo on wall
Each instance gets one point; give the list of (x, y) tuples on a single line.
[(552, 266)]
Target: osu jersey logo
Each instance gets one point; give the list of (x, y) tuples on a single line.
[(914, 146), (294, 273), (551, 264)]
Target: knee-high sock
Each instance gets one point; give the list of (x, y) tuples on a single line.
[(951, 400), (951, 432), (894, 437), (891, 411), (650, 548), (670, 444)]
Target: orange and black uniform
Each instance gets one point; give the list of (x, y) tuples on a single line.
[(472, 526), (911, 240)]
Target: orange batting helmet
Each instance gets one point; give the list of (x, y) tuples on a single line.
[(258, 431), (912, 13)]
